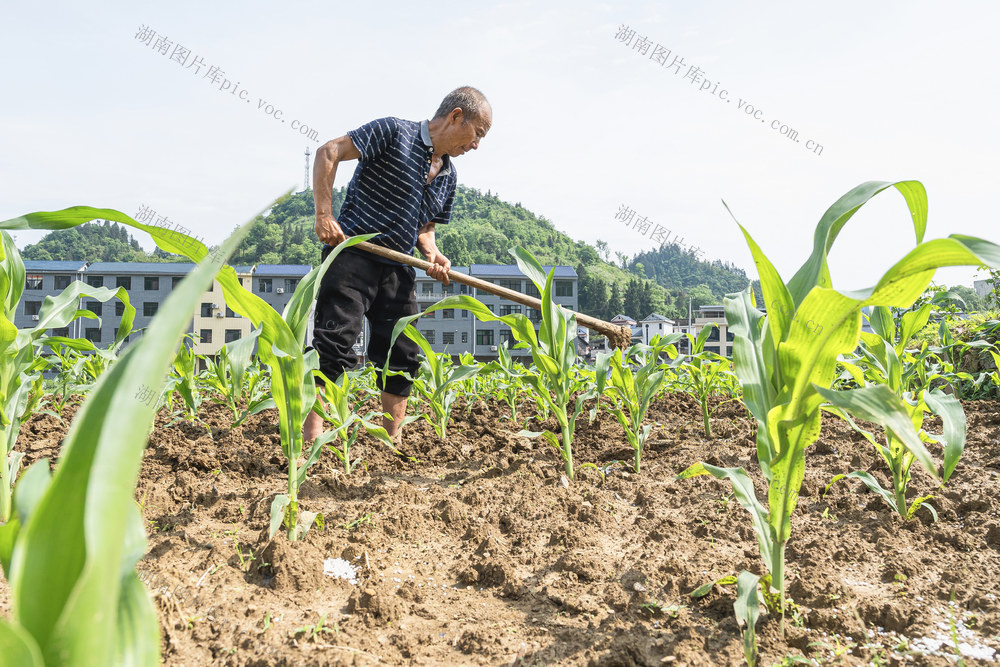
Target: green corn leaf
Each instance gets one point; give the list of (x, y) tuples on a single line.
[(949, 409), (745, 496), (67, 591), (18, 647), (911, 322), (868, 480), (747, 609), (921, 502), (815, 271), (278, 507), (705, 589), (880, 405)]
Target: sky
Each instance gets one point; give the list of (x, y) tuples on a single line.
[(589, 119)]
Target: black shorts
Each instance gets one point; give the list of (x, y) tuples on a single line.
[(354, 286)]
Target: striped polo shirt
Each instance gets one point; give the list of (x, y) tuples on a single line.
[(389, 194)]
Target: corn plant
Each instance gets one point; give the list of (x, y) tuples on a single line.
[(280, 346), (552, 350), (508, 387), (786, 361), (68, 366), (885, 364), (234, 376), (20, 365), (632, 390), (185, 373), (705, 374), (70, 550), (346, 423), (437, 381)]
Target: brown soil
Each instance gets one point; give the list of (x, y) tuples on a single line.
[(475, 552)]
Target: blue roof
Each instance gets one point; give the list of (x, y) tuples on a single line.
[(152, 268), (53, 265), (504, 270), (292, 270)]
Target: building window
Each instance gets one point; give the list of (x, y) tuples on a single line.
[(62, 282), (93, 334), (507, 309), (510, 284), (729, 350), (428, 334), (149, 308), (465, 337), (506, 337), (175, 281), (232, 334), (32, 307), (730, 336), (123, 281), (480, 292), (564, 288), (448, 314), (33, 281), (532, 291), (426, 288), (534, 315), (712, 348), (463, 289), (465, 313), (431, 315), (291, 284), (714, 336), (119, 308), (484, 337), (94, 307), (150, 283), (231, 313), (63, 332), (206, 310), (117, 331), (448, 289), (205, 335), (448, 337), (264, 285)]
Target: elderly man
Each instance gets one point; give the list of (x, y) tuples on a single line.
[(403, 187)]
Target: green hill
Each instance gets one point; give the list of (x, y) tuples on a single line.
[(93, 242)]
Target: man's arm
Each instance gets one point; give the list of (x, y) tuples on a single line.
[(427, 246), (328, 156)]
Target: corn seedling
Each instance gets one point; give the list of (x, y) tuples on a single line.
[(706, 373), (553, 352), (185, 372), (437, 381), (632, 390), (70, 550), (885, 362), (508, 373), (346, 423), (234, 376), (786, 361)]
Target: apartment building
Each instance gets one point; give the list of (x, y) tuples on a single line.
[(457, 331), (148, 284), (214, 323)]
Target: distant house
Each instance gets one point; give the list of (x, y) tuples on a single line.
[(623, 319), (705, 316), (655, 325)]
